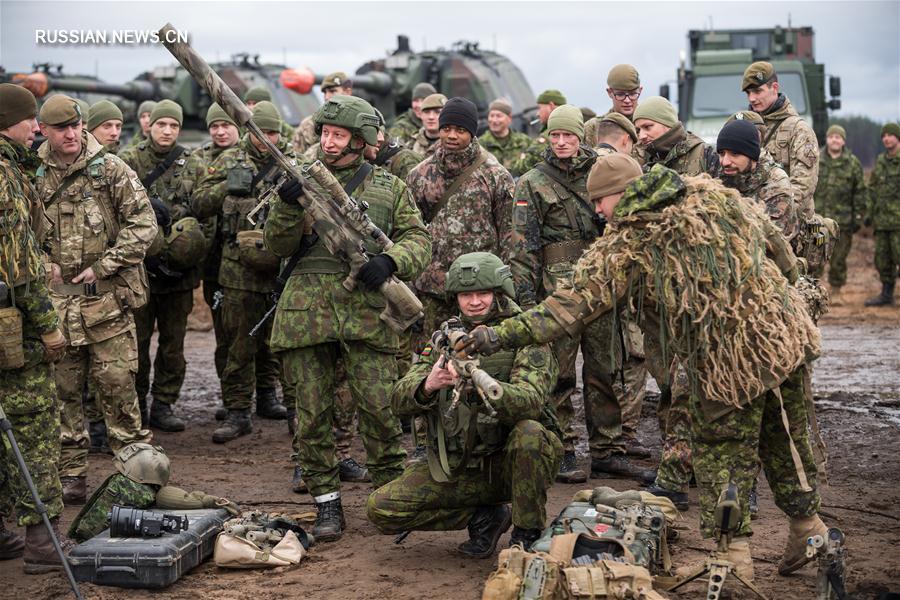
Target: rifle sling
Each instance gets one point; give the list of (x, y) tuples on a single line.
[(387, 153), (262, 173), (162, 167), (459, 180)]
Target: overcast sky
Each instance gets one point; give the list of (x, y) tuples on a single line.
[(569, 46)]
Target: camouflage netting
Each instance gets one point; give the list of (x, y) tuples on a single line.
[(697, 252)]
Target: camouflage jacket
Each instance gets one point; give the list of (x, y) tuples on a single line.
[(405, 129), (424, 145), (841, 189), (315, 308), (553, 222), (22, 225), (226, 194), (884, 193), (206, 156), (305, 136), (769, 185), (639, 260), (533, 154), (397, 162), (507, 149), (681, 151), (102, 220), (527, 376), (792, 143), (137, 138), (474, 219), (590, 130), (174, 188)]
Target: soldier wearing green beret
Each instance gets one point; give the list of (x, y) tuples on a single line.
[(499, 139), (623, 86), (305, 137), (884, 214), (477, 461), (168, 171), (407, 125), (105, 124), (547, 101), (97, 282), (840, 195)]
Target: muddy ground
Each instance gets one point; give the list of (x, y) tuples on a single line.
[(858, 396)]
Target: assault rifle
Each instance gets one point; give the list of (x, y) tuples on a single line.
[(340, 221), (470, 372)]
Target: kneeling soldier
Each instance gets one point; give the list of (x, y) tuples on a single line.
[(477, 461)]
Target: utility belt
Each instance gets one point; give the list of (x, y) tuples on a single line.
[(96, 288), (567, 251), (321, 264)]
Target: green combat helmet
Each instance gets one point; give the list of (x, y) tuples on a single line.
[(185, 246), (478, 271), (351, 113), (143, 463)]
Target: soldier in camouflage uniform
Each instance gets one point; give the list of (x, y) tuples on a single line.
[(547, 101), (426, 140), (506, 145), (840, 195), (744, 406), (884, 214), (465, 196), (141, 135), (664, 140), (247, 271), (319, 320), (102, 224), (623, 86), (260, 93), (29, 391), (333, 84), (105, 124), (390, 154), (171, 291), (512, 455), (406, 127)]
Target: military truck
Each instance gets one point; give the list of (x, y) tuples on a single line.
[(709, 87), (289, 89), (465, 70)]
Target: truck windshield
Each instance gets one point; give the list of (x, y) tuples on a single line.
[(721, 95)]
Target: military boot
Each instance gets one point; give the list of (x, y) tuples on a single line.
[(616, 465), (40, 555), (885, 298), (162, 417), (525, 537), (11, 545), (268, 406), (353, 472), (236, 424), (74, 490), (679, 499), (485, 528), (795, 552), (297, 483), (99, 441), (634, 447), (739, 556), (329, 525), (221, 413), (569, 472)]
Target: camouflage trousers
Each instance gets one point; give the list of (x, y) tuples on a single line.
[(210, 287), (29, 400), (168, 313), (522, 473), (249, 365), (109, 366), (344, 415), (673, 412), (310, 373), (837, 264), (733, 446), (887, 255)]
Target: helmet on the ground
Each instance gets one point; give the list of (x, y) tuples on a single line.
[(479, 271), (143, 463)]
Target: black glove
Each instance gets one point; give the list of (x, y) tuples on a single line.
[(163, 216), (482, 339), (157, 269), (378, 270), (290, 190)]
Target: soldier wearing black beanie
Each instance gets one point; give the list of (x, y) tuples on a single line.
[(741, 137), (460, 112)]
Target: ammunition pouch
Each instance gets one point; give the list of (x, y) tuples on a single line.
[(567, 251), (239, 181), (252, 251), (12, 343)]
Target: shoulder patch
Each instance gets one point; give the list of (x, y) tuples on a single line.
[(537, 357), (427, 350), (211, 170)]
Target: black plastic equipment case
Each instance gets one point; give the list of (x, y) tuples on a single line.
[(148, 562)]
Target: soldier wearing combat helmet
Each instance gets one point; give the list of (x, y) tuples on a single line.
[(319, 320), (333, 84), (513, 452)]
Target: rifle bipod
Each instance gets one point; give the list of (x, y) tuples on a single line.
[(719, 569)]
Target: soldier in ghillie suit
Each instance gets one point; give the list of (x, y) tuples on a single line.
[(840, 195), (31, 340), (694, 235), (318, 320), (477, 461), (884, 214)]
